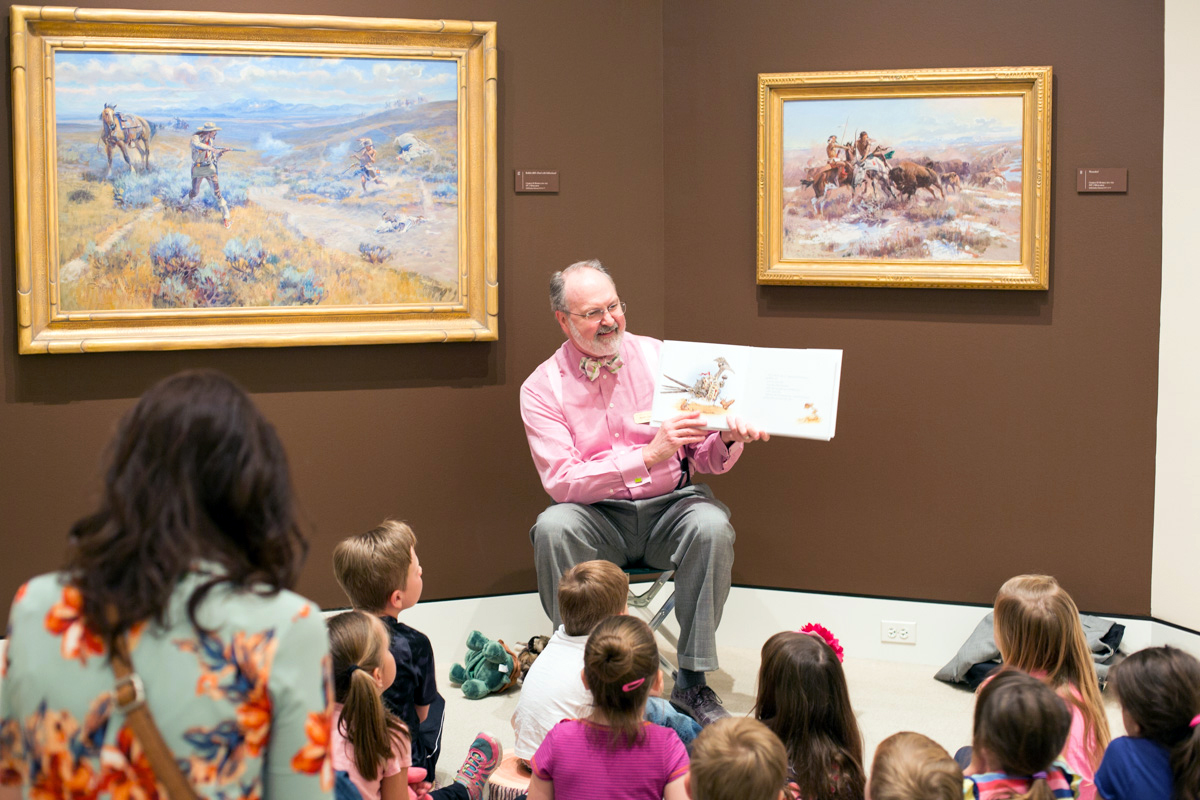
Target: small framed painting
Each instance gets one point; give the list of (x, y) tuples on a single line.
[(916, 178)]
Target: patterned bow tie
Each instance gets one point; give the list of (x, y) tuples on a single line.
[(591, 366)]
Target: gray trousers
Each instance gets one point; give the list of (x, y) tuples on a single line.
[(686, 530)]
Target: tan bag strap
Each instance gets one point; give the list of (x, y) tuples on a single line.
[(130, 696)]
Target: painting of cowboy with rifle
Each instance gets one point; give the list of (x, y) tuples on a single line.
[(205, 156)]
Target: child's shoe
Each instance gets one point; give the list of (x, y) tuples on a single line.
[(482, 759)]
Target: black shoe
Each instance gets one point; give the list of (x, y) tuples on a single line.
[(700, 703)]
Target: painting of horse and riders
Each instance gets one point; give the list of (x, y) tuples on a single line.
[(903, 178), (202, 181)]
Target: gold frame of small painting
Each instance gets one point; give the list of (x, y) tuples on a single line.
[(933, 178)]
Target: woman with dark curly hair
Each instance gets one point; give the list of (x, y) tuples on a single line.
[(185, 566)]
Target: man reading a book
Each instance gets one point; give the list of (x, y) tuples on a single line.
[(622, 489)]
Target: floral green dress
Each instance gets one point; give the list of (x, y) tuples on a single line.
[(245, 710)]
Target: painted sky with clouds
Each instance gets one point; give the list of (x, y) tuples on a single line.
[(895, 121), (157, 83)]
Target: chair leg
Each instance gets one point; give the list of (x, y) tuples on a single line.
[(654, 624), (645, 598), (663, 613)]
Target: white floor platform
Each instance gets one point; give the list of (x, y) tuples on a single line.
[(891, 685)]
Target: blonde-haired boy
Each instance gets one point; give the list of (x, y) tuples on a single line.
[(911, 766), (553, 690), (380, 572), (737, 758)]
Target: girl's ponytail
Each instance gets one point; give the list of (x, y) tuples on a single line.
[(620, 663), (1039, 789), (1185, 763), (1159, 688), (357, 644), (364, 724)]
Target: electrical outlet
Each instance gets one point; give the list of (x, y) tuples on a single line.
[(893, 632)]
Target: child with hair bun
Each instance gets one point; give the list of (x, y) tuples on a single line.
[(1159, 692), (369, 742), (1038, 631), (614, 751), (911, 766), (1020, 728), (804, 700)]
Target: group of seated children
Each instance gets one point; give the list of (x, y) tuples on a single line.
[(589, 722)]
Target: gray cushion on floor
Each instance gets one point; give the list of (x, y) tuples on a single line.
[(981, 647)]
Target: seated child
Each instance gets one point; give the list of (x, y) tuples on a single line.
[(368, 743), (1159, 692), (910, 766), (803, 698), (1038, 631), (613, 752), (379, 572), (553, 689), (737, 759), (1021, 727)]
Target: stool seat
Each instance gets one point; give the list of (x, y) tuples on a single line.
[(508, 782), (644, 599)]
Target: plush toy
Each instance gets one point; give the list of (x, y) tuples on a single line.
[(526, 653), (490, 668)]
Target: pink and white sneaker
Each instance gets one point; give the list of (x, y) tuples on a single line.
[(482, 759)]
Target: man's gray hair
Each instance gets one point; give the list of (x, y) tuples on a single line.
[(558, 282)]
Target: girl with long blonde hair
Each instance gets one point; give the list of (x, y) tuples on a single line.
[(1038, 631)]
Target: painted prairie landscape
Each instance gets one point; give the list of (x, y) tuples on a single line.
[(926, 179), (309, 225)]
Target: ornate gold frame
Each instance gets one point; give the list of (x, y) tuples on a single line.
[(44, 328), (1031, 271)]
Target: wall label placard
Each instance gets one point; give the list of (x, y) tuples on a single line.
[(1102, 179), (537, 180)]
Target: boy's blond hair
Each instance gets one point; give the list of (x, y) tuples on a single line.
[(590, 592), (910, 766), (372, 565), (736, 758)]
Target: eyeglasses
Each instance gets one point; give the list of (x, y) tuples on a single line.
[(616, 309)]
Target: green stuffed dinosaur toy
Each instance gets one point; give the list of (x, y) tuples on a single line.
[(490, 668)]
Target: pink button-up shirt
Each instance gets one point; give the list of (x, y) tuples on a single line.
[(586, 446)]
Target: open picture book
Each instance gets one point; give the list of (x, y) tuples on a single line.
[(785, 392)]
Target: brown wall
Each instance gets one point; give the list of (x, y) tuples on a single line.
[(430, 433), (980, 433)]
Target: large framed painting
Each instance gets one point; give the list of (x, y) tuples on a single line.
[(201, 180), (920, 178)]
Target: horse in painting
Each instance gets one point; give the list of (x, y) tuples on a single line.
[(823, 180), (872, 174), (122, 131)]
